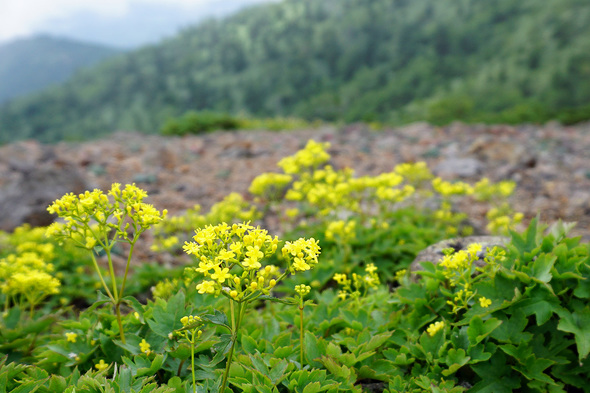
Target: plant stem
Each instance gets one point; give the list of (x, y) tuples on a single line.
[(301, 332), (104, 284), (118, 312), (193, 361), (127, 266), (236, 327), (112, 273)]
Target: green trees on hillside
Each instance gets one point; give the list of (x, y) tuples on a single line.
[(392, 61)]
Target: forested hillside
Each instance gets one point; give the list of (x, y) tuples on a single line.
[(384, 60), (27, 65)]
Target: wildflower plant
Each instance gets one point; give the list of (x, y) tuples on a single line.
[(96, 221), (230, 260), (190, 332), (357, 286)]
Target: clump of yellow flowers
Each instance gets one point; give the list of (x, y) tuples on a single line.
[(341, 230), (310, 181), (459, 269), (97, 221), (230, 258), (357, 285), (26, 279)]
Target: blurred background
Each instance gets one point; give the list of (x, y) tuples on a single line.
[(71, 70)]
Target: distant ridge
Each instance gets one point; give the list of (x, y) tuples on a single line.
[(389, 61), (31, 64)]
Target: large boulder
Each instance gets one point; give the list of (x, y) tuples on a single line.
[(32, 179)]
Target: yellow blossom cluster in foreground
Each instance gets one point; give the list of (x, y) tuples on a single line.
[(231, 257)]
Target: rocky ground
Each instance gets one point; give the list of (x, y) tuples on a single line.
[(550, 164)]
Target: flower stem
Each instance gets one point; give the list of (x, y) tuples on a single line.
[(193, 361), (118, 312), (236, 327), (104, 284), (127, 267), (301, 333)]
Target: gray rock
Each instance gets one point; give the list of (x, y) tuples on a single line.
[(462, 167), (25, 198)]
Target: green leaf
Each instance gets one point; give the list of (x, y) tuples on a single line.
[(166, 315), (223, 345), (541, 268), (313, 349), (512, 329), (533, 369), (455, 360), (577, 323), (218, 318), (313, 387), (289, 301), (249, 344), (29, 387), (478, 330)]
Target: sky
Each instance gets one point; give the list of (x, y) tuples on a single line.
[(119, 23)]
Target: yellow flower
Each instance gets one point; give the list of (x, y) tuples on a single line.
[(302, 289), (485, 303), (300, 265), (144, 346), (101, 365), (340, 278), (71, 337), (220, 275), (371, 268), (206, 287), (435, 327)]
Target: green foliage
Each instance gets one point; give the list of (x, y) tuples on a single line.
[(198, 123), (31, 64), (518, 323), (336, 60)]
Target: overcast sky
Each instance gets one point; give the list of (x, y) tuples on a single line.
[(122, 23)]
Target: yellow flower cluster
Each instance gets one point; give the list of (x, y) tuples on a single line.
[(484, 302), (190, 320), (101, 365), (233, 208), (312, 156), (459, 271), (144, 347), (502, 219), (447, 189), (435, 327), (90, 215), (165, 289), (270, 185), (324, 188), (342, 231), (302, 289), (414, 173), (357, 285), (28, 275), (231, 257), (460, 263), (400, 274), (71, 337), (484, 190)]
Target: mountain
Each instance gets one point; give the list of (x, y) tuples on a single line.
[(372, 60), (28, 65)]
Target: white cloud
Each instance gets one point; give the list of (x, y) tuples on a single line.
[(21, 17)]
